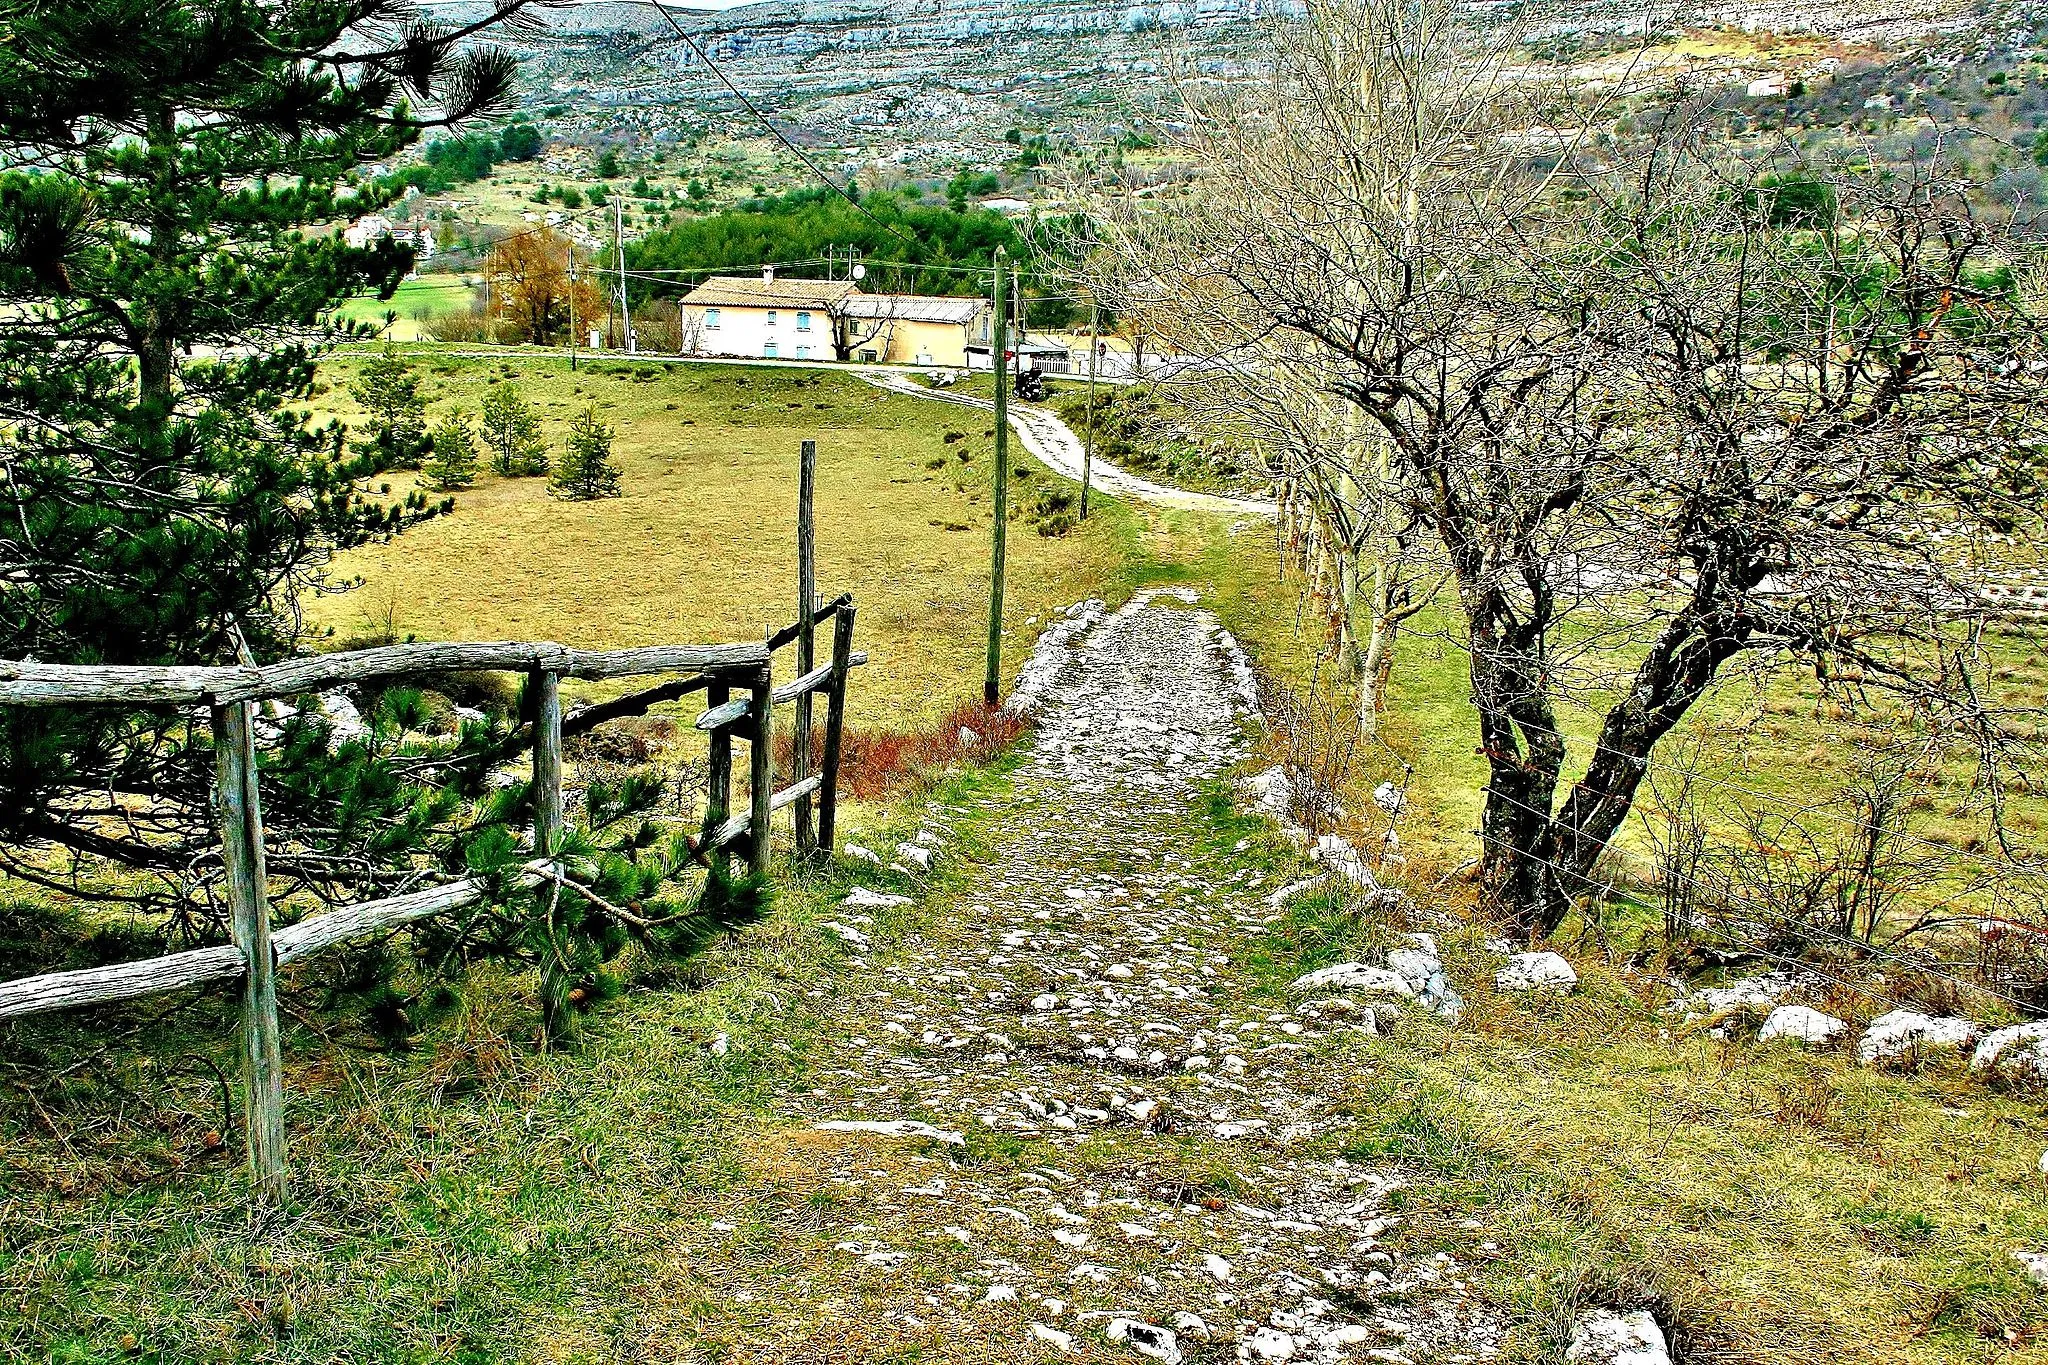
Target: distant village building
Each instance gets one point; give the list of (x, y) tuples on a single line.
[(375, 227)]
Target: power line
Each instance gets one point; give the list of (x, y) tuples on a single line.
[(793, 149)]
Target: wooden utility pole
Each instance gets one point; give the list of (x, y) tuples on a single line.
[(1088, 448), (572, 303), (806, 606), (991, 687)]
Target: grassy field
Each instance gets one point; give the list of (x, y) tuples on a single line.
[(473, 1200), (702, 546), (417, 300)]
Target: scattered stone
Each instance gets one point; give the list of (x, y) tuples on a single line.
[(1270, 1343), (1146, 1338), (1800, 1024), (863, 899), (847, 933), (1354, 976), (1052, 1337), (1536, 972), (1423, 969), (720, 1046), (1606, 1338), (1291, 890), (865, 855), (919, 855), (2021, 1048), (1902, 1033), (2035, 1263)]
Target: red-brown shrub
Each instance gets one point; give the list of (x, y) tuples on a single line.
[(875, 763)]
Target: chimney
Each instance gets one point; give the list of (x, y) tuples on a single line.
[(767, 274)]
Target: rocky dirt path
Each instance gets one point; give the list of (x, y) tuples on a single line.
[(1058, 1125), (1055, 444)]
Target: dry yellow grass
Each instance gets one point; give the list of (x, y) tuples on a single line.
[(702, 545)]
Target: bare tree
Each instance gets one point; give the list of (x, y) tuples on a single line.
[(1651, 415)]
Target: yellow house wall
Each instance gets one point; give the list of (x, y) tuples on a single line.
[(944, 342)]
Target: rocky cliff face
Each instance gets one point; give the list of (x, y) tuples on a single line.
[(946, 75)]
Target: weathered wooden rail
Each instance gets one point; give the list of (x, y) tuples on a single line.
[(230, 693)]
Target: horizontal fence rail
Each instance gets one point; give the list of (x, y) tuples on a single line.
[(27, 683), (738, 680)]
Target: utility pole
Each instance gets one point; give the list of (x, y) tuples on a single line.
[(572, 304), (1088, 448), (619, 245), (991, 687)]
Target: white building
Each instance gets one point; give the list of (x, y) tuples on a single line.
[(766, 318), (375, 227)]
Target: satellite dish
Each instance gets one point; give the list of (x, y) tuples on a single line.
[(860, 272)]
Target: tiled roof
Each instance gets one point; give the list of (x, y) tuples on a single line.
[(751, 291)]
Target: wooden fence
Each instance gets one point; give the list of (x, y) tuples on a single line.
[(741, 695)]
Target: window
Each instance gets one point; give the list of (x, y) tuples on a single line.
[(868, 357), (803, 322), (768, 350), (710, 319), (803, 353), (771, 317)]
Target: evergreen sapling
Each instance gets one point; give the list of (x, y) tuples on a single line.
[(586, 471)]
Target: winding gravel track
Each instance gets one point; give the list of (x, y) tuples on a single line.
[(1053, 442)]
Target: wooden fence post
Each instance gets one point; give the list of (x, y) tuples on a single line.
[(835, 726), (761, 773), (717, 774), (241, 828), (807, 602), (545, 688)]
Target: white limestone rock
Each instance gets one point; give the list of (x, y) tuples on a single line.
[(866, 855), (1052, 1337), (2035, 1263), (1536, 972), (1272, 792), (1270, 1343), (847, 933), (1146, 1338), (1423, 970), (1904, 1032), (861, 898), (1801, 1024), (921, 855), (2023, 1048), (1605, 1338), (344, 723), (1355, 976)]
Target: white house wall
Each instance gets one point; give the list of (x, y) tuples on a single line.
[(749, 333)]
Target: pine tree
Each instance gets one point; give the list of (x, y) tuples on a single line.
[(511, 433), (453, 463), (163, 305), (586, 471), (389, 391)]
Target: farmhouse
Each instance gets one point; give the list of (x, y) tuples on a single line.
[(741, 315), (791, 319), (914, 329)]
